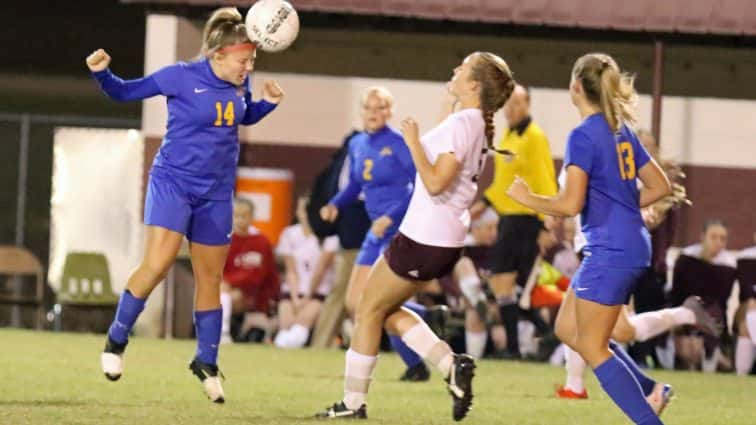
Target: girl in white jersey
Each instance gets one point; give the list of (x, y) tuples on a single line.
[(448, 159)]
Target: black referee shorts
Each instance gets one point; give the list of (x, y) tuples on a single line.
[(516, 245)]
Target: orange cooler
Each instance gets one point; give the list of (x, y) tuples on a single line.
[(270, 190)]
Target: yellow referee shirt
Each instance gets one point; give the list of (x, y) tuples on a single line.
[(532, 162)]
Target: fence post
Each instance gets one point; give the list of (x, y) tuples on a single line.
[(23, 165)]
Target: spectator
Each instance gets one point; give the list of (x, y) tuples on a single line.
[(308, 279), (745, 318)]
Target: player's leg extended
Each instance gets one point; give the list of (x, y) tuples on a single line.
[(594, 326), (566, 330), (207, 264), (162, 245)]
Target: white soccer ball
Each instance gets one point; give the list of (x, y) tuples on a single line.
[(272, 24)]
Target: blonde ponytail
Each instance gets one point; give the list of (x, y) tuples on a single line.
[(224, 27), (608, 88)]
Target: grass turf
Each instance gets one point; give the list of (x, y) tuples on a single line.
[(55, 378)]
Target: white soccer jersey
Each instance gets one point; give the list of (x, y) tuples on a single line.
[(306, 251), (443, 220)]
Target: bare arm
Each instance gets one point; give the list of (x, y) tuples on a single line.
[(567, 203), (655, 184), (435, 177)]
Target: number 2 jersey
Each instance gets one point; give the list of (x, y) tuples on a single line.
[(200, 149), (611, 220)]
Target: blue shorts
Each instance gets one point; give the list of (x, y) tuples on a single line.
[(203, 221), (372, 247), (605, 284)]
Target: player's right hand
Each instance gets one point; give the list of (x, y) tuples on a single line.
[(329, 213), (99, 60)]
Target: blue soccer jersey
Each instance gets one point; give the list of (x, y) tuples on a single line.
[(201, 146), (381, 167), (611, 219)]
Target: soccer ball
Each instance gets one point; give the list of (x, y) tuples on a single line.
[(272, 24)]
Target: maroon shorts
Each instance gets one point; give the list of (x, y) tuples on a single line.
[(418, 262)]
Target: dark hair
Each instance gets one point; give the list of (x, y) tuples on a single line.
[(607, 87), (225, 27), (497, 84)]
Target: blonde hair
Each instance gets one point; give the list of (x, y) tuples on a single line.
[(606, 86), (496, 86), (225, 27), (380, 92)]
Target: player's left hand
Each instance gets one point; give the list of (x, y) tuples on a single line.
[(410, 131), (380, 225), (272, 92), (519, 190)]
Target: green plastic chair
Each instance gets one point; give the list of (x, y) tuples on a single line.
[(86, 280)]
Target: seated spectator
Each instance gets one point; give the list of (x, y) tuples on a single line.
[(250, 281), (745, 319), (308, 279), (708, 271)]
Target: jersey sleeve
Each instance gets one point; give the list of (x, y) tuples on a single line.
[(169, 79), (642, 157), (454, 138), (579, 151), (284, 246), (351, 192), (126, 90)]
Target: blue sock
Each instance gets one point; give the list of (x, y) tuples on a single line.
[(647, 384), (207, 326), (410, 358), (620, 384), (129, 308)]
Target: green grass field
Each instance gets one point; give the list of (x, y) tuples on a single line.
[(54, 378)]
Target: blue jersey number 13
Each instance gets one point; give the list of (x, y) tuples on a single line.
[(626, 160)]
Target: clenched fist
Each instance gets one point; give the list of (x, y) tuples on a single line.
[(99, 60)]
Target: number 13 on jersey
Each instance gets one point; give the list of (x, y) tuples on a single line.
[(626, 160)]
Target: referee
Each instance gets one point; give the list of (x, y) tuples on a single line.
[(519, 227)]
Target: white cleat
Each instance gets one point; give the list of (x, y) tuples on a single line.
[(210, 377), (660, 397), (111, 360)]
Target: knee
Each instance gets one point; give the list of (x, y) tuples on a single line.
[(153, 271), (565, 332), (623, 333)]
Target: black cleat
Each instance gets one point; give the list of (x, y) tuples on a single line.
[(340, 411), (111, 359), (437, 317), (459, 384), (210, 376), (417, 373)]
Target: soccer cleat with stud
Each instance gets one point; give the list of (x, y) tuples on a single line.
[(111, 360), (417, 373), (704, 321), (340, 411), (566, 393), (210, 377), (660, 397), (459, 384)]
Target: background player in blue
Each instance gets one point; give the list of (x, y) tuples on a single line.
[(603, 160), (190, 190), (380, 167)]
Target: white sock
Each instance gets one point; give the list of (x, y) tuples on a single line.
[(709, 364), (475, 343), (575, 367), (282, 338), (426, 344), (751, 325), (298, 335), (357, 376), (744, 353), (225, 299), (650, 324), (470, 287)]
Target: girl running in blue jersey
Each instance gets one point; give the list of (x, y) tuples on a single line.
[(190, 190), (603, 160), (381, 168)]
